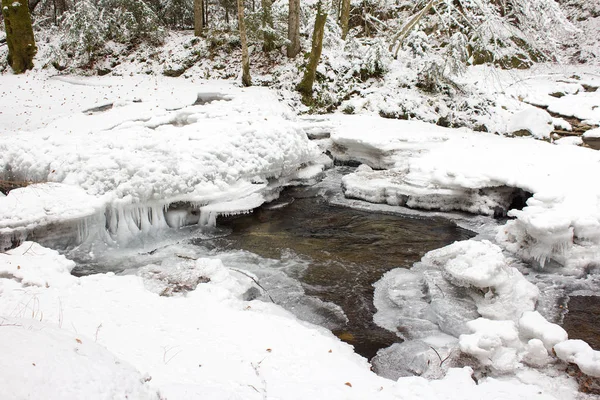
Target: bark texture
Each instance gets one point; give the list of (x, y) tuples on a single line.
[(294, 29), (19, 35), (306, 85), (246, 80), (198, 17), (345, 18)]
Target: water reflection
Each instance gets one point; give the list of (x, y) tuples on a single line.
[(347, 250)]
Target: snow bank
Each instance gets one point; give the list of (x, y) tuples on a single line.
[(40, 360), (154, 145), (202, 341), (436, 168)]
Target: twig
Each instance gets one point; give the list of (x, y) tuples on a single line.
[(29, 248), (254, 280), (440, 357), (97, 331), (166, 350)]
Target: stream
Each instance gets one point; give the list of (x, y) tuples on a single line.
[(317, 255)]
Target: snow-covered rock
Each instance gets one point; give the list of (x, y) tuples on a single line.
[(580, 353), (158, 146), (531, 121), (592, 138), (436, 168)]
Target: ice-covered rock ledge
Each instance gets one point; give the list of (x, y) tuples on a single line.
[(465, 304), (63, 336), (153, 158), (430, 167)]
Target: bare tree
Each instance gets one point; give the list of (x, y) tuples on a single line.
[(198, 17), (19, 35), (306, 85), (294, 29), (345, 18), (246, 80), (400, 36)]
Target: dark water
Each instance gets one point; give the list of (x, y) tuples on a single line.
[(582, 321), (348, 250)]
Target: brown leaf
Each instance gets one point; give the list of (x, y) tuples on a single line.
[(18, 267), (269, 350), (78, 340), (330, 351), (348, 384)]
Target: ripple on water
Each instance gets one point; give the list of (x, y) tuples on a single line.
[(347, 250)]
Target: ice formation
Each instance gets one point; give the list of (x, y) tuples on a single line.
[(132, 162), (469, 291), (430, 167)]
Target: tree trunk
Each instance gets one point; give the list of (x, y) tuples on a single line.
[(198, 17), (205, 13), (400, 36), (294, 29), (345, 18), (267, 25), (246, 80), (19, 35), (306, 85), (32, 5)]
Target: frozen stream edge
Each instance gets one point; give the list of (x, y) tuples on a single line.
[(164, 335)]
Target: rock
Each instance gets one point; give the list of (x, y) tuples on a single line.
[(592, 138), (531, 122)]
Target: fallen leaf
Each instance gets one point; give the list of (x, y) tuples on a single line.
[(330, 351), (269, 350), (78, 341), (348, 384)]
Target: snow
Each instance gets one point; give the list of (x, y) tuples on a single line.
[(580, 353), (592, 133), (569, 141), (204, 340), (121, 159), (467, 296), (32, 352), (169, 153), (533, 325), (537, 122), (436, 168)]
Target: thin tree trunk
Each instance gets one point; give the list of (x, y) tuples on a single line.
[(294, 29), (399, 38), (267, 24), (19, 35), (306, 85), (246, 80), (205, 13), (345, 18), (198, 17), (32, 5)]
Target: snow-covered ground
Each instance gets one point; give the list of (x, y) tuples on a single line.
[(164, 153)]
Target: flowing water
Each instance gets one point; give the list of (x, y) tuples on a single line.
[(346, 250)]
